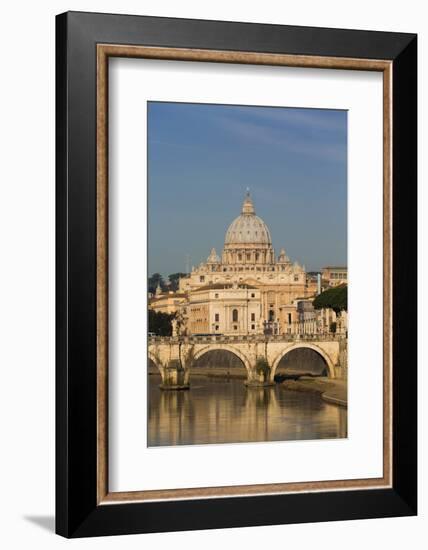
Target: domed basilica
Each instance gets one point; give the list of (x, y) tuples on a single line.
[(248, 290)]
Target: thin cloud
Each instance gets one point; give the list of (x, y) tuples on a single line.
[(310, 119), (257, 131), (308, 132)]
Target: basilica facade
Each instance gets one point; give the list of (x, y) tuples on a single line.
[(248, 290)]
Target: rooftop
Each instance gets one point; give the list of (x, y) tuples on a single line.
[(224, 286)]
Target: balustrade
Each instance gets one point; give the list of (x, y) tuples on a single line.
[(247, 338)]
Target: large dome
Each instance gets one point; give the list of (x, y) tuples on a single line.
[(248, 228)]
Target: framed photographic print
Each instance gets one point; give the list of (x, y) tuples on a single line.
[(236, 274)]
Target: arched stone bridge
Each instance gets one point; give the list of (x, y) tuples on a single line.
[(175, 357)]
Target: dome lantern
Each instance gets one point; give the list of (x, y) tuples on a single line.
[(247, 205)]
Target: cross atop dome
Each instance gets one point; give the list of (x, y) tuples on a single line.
[(248, 206)]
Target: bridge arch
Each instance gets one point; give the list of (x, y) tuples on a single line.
[(154, 360), (301, 345), (223, 347)]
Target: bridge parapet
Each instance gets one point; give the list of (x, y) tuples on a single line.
[(244, 338)]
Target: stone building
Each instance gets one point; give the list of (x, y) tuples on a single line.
[(167, 302), (334, 276), (221, 308), (248, 254), (248, 290)]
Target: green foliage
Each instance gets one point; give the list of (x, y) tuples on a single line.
[(160, 323), (335, 298), (173, 280), (172, 284), (155, 280)]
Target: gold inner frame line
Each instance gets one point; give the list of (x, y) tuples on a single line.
[(104, 52)]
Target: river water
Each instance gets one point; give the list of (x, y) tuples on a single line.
[(225, 411)]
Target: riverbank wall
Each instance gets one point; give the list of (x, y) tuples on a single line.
[(213, 372), (332, 391)]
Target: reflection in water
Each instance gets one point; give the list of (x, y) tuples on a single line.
[(219, 411)]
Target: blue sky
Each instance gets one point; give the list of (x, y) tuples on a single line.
[(201, 159)]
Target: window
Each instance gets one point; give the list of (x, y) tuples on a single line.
[(202, 278), (248, 257), (271, 315), (296, 278), (216, 327), (257, 256), (217, 318), (289, 318), (235, 316), (253, 295), (239, 257), (216, 295), (253, 327), (253, 317)]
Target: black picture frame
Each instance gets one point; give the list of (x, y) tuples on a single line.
[(77, 511)]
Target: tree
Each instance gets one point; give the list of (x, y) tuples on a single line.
[(160, 323), (155, 280), (335, 298), (174, 280)]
